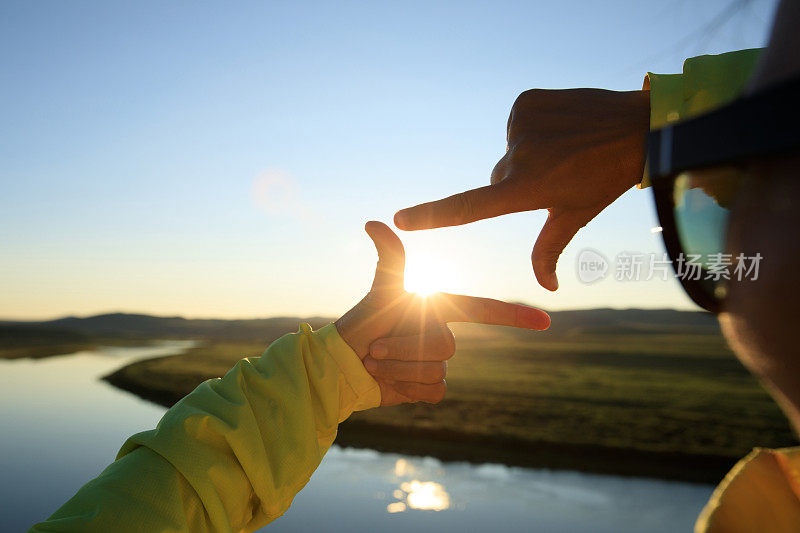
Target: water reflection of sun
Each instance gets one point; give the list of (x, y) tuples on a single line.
[(426, 495), (416, 494)]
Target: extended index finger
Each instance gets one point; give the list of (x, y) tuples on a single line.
[(460, 308), (463, 208)]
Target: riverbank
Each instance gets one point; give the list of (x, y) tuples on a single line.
[(665, 404)]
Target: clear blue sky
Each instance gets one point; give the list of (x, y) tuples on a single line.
[(220, 159)]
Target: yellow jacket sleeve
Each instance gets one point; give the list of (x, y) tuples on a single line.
[(707, 82), (232, 454), (760, 493)]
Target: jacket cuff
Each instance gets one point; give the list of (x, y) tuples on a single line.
[(666, 97), (707, 82), (366, 389)]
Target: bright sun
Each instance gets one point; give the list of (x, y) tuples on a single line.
[(427, 274)]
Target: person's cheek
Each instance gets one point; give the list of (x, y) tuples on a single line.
[(760, 316)]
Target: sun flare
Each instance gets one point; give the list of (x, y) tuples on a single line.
[(422, 283), (427, 274)]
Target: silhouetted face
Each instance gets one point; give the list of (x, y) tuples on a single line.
[(761, 318)]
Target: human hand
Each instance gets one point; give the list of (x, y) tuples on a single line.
[(572, 152), (403, 338)]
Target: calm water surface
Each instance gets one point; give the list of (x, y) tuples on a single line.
[(60, 426)]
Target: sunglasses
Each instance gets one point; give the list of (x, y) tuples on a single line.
[(699, 168)]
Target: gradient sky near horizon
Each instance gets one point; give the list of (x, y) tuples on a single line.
[(220, 159)]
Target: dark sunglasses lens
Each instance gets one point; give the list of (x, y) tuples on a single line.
[(703, 200)]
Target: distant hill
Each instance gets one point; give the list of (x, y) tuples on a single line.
[(148, 326), (628, 321), (564, 323)]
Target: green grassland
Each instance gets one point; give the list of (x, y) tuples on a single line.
[(627, 400)]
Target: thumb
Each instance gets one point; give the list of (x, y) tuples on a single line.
[(463, 208), (556, 233), (391, 257)]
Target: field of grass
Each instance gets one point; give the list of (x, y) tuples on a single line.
[(664, 404)]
